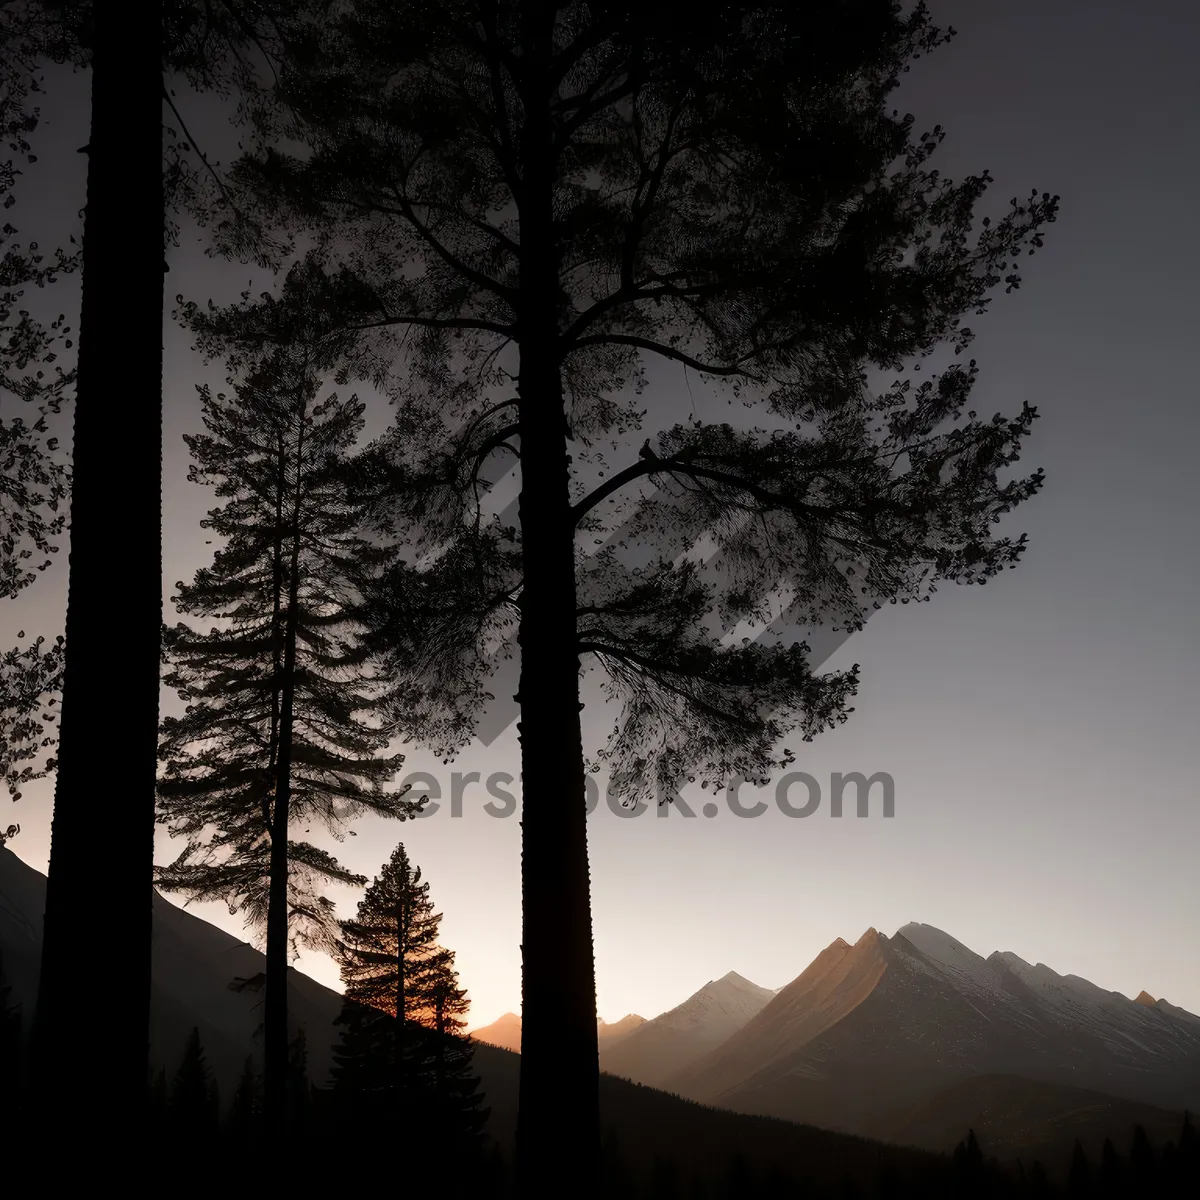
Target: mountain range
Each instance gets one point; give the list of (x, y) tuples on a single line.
[(905, 1038), (505, 1031), (658, 1050), (869, 1031), (909, 1039)]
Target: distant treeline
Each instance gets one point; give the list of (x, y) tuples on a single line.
[(426, 1131)]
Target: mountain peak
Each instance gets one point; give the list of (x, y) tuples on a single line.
[(1145, 998), (618, 1029), (504, 1032), (734, 977), (931, 939), (656, 1050)]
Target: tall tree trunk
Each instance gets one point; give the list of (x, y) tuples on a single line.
[(439, 1064), (446, 1133), (102, 841), (275, 1019), (277, 638), (402, 910), (558, 1119)]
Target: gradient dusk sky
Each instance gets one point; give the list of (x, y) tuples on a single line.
[(1041, 730)]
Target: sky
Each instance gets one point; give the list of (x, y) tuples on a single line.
[(1040, 730)]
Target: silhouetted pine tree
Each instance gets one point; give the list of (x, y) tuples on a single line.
[(389, 954), (1079, 1178), (214, 1103), (245, 1110), (128, 48), (1039, 1183), (401, 1046), (1181, 1164), (594, 184), (33, 474), (457, 1111), (299, 1094), (1111, 1182), (1169, 1176), (159, 1104), (278, 730), (1189, 1143), (363, 1058), (413, 1071), (969, 1167), (190, 1106), (1142, 1160)]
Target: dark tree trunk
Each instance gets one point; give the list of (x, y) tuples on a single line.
[(439, 1065), (275, 1017), (401, 990), (102, 843), (558, 1118), (277, 638)]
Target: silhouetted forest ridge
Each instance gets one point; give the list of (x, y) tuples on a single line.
[(205, 1090)]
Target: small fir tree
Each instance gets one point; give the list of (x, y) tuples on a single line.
[(246, 1107), (402, 1047), (190, 1105)]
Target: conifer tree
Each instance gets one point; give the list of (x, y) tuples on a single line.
[(190, 1105), (1189, 1141), (389, 954), (1141, 1158), (458, 1114), (214, 1102), (33, 386), (1079, 1178), (591, 183), (402, 1040), (1184, 1171), (363, 1057), (1110, 1169), (299, 1097), (246, 1107), (969, 1166), (1039, 1183), (159, 1104), (278, 731), (129, 48)]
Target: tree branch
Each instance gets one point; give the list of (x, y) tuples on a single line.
[(493, 442), (629, 339), (657, 671), (486, 282), (440, 323)]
